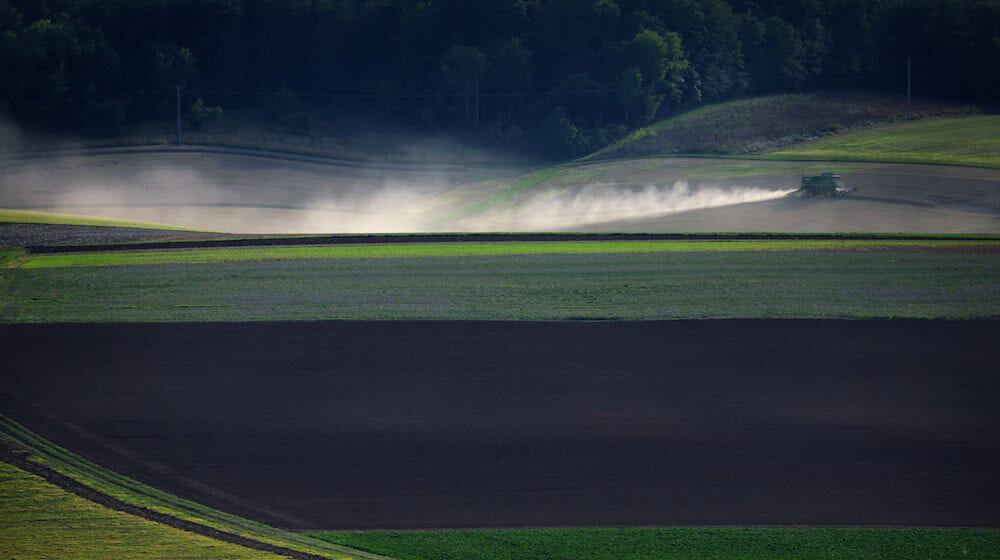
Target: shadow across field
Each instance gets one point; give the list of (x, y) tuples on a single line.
[(473, 424)]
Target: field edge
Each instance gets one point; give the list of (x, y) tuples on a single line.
[(747, 543), (30, 452)]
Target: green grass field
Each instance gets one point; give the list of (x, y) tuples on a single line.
[(679, 544), (474, 249), (33, 217), (63, 461), (41, 521), (765, 123), (10, 255), (681, 284), (972, 140)]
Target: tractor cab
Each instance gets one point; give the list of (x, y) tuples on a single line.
[(824, 184)]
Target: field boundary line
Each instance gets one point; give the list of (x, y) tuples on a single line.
[(378, 239), (21, 448), (223, 149), (766, 157)]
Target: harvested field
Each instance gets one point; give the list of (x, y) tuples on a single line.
[(19, 234), (232, 190), (655, 195), (407, 425), (257, 193)]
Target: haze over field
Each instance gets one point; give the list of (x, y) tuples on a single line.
[(243, 192)]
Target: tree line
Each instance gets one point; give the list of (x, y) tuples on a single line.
[(570, 74)]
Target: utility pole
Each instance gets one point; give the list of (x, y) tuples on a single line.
[(908, 96), (178, 86)]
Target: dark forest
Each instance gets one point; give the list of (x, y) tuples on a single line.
[(498, 68)]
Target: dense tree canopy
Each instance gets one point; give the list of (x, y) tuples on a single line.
[(507, 69)]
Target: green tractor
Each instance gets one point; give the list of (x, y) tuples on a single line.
[(825, 184)]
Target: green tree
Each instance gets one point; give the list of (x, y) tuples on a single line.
[(661, 65), (174, 66), (511, 72), (104, 118), (783, 53), (463, 68), (512, 67), (559, 136), (279, 105), (629, 88), (203, 115)]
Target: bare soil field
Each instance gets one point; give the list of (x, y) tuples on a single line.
[(60, 235), (336, 425), (254, 192), (233, 190), (890, 198)]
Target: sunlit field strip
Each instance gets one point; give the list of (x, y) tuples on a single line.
[(402, 250), (40, 520), (38, 450), (679, 543)]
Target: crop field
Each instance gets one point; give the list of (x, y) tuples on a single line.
[(543, 380), (524, 424), (264, 193), (626, 280), (971, 140), (473, 249), (678, 544), (40, 520), (34, 217), (503, 280), (760, 123)]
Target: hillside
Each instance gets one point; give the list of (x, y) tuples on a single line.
[(969, 140), (759, 124)]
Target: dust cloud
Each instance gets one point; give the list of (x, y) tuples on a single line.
[(225, 190), (579, 207), (211, 193), (253, 195), (221, 193)]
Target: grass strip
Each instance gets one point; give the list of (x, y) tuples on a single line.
[(904, 283), (679, 543), (969, 141), (473, 249), (523, 184), (10, 256), (756, 124), (40, 520), (91, 475)]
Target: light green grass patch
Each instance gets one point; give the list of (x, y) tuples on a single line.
[(35, 217), (858, 284), (465, 249), (679, 544), (39, 520), (756, 124), (973, 140), (10, 256), (522, 184), (737, 169), (100, 479)]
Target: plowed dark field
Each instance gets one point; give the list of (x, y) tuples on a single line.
[(461, 424)]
